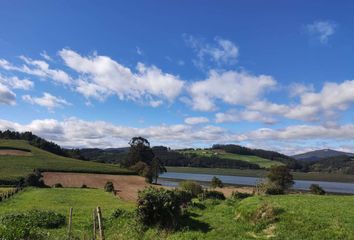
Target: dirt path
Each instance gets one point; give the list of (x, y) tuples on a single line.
[(127, 186), (12, 152)]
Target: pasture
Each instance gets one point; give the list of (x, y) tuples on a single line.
[(262, 162), (12, 167), (298, 217)]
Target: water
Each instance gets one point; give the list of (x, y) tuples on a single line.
[(336, 187)]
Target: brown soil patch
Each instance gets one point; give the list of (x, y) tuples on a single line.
[(227, 191), (127, 186), (13, 152)]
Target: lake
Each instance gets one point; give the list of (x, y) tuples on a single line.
[(336, 187)]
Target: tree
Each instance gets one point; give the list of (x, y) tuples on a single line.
[(109, 187), (157, 168), (316, 189), (280, 177), (139, 151), (216, 182)]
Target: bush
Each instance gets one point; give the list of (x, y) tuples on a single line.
[(211, 195), (34, 180), (57, 185), (184, 197), (281, 177), (216, 182), (119, 213), (192, 187), (159, 207), (316, 189), (83, 186), (240, 195), (109, 187)]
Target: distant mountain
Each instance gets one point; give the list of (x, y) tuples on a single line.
[(321, 154)]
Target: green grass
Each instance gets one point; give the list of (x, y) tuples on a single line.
[(83, 201), (262, 162), (4, 189), (316, 176), (14, 167), (301, 217)]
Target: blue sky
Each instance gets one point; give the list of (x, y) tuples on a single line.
[(265, 74)]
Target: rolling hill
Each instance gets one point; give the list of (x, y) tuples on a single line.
[(18, 158), (321, 154)]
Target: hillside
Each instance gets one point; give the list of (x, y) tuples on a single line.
[(220, 153), (320, 154), (14, 166)]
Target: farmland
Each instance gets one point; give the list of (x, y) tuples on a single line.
[(262, 162), (12, 167), (300, 216)]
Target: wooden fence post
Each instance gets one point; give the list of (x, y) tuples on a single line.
[(70, 222), (94, 224), (100, 223)]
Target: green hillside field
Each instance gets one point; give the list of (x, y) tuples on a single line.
[(262, 162), (297, 216), (14, 167)]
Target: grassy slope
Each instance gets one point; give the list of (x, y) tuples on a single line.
[(83, 201), (316, 176), (262, 162), (13, 167), (302, 217)]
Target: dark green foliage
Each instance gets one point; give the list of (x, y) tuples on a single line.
[(159, 207), (26, 225), (109, 187), (120, 213), (157, 168), (57, 185), (216, 182), (83, 186), (34, 180), (280, 177), (185, 197), (206, 194), (192, 187), (139, 151), (316, 189), (240, 195)]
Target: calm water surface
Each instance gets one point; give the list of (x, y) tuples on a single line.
[(337, 187)]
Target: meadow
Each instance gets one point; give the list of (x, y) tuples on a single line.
[(298, 216), (262, 162), (13, 167)]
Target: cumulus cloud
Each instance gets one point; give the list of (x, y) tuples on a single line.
[(232, 87), (196, 120), (37, 68), (322, 30), (223, 51), (16, 83), (47, 100), (101, 77), (6, 95)]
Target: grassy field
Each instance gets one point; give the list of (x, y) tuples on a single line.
[(262, 162), (298, 216), (14, 167), (4, 189), (316, 176)]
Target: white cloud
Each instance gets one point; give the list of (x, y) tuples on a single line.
[(47, 100), (322, 30), (196, 120), (236, 88), (16, 83), (297, 89), (222, 52), (139, 51), (46, 56), (101, 77), (37, 68), (246, 115), (6, 95)]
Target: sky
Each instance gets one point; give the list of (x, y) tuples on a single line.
[(264, 74)]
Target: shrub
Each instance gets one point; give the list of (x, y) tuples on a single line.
[(240, 195), (281, 177), (119, 213), (34, 180), (109, 187), (216, 182), (57, 185), (83, 186), (265, 214), (211, 195), (192, 187), (316, 189), (159, 207), (184, 197)]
